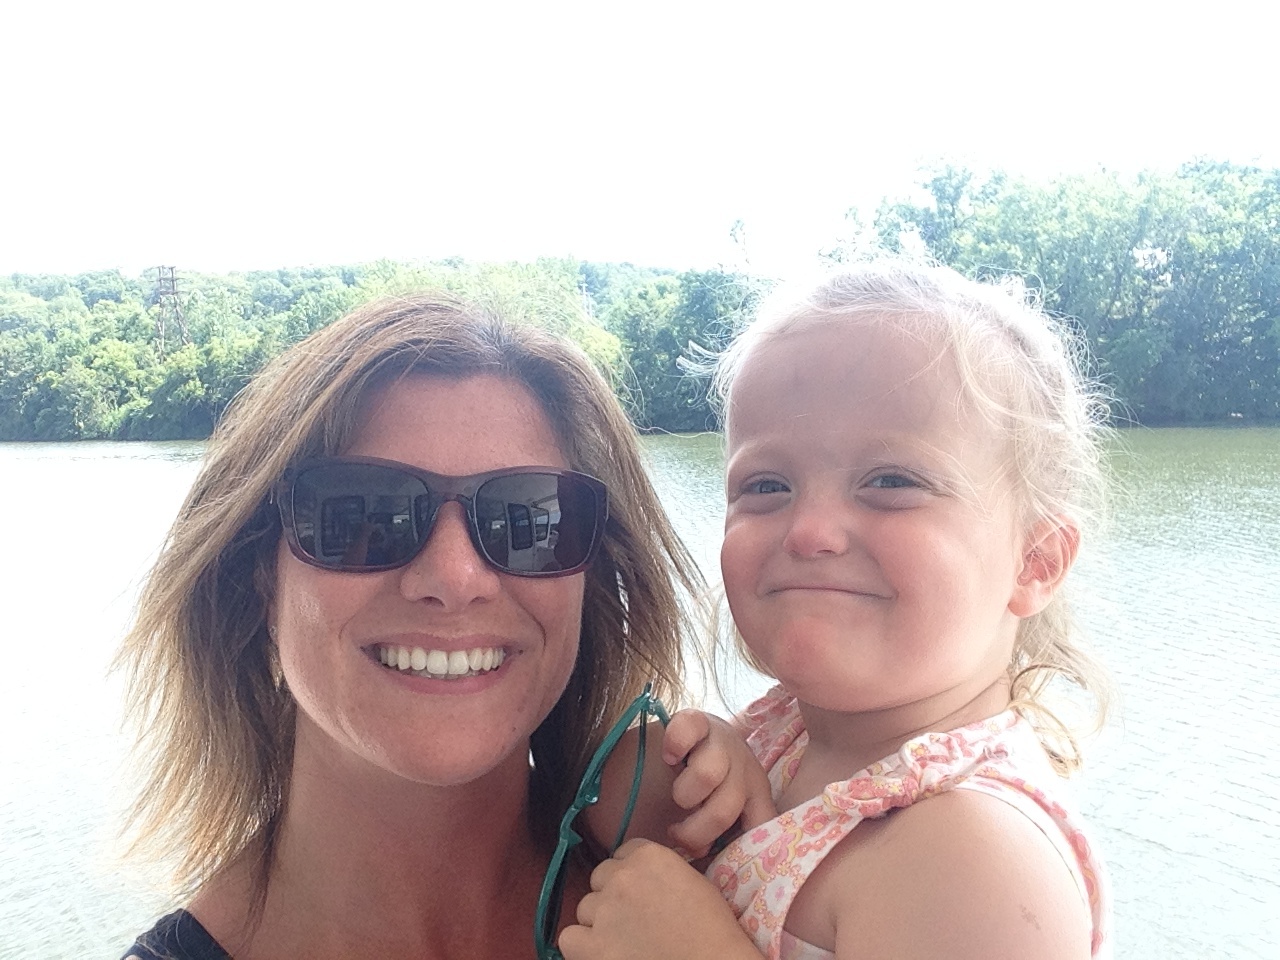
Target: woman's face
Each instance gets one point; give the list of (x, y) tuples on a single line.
[(334, 630)]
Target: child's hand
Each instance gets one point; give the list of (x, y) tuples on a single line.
[(722, 782), (646, 903)]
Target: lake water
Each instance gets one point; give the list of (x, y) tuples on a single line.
[(1183, 600)]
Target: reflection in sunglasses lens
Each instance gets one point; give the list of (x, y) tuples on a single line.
[(352, 516)]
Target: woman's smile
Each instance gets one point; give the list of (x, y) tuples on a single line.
[(440, 664)]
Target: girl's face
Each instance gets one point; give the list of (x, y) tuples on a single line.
[(332, 627), (871, 553)]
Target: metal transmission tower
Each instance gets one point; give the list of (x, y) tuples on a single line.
[(165, 296)]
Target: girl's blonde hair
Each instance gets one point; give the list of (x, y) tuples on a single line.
[(215, 720), (1025, 374)]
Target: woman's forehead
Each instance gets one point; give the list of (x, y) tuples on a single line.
[(456, 425)]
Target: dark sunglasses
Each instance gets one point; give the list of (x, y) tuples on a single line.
[(360, 514), (547, 918)]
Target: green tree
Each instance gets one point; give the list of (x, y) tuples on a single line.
[(656, 323), (1171, 278), (105, 285)]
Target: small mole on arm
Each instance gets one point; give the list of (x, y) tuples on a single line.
[(1030, 917)]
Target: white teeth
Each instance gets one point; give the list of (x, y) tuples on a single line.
[(441, 664)]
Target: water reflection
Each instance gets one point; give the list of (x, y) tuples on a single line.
[(83, 525), (1182, 598)]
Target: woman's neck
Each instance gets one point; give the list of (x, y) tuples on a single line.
[(374, 865)]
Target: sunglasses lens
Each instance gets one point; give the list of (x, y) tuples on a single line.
[(537, 523), (354, 515), (369, 516)]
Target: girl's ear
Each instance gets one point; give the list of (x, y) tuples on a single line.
[(1049, 551)]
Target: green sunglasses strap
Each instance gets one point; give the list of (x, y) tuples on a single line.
[(661, 712), (646, 703)]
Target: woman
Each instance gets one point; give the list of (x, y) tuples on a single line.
[(373, 657)]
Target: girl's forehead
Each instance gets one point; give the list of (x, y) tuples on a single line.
[(849, 335), (861, 360), (861, 388)]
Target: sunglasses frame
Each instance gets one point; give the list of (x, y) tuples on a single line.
[(547, 918), (442, 489)]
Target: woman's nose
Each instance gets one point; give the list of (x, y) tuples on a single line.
[(817, 526), (448, 570)]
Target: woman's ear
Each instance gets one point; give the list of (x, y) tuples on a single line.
[(1048, 553)]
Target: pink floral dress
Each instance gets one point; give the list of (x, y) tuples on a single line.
[(761, 872)]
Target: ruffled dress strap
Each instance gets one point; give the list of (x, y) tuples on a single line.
[(761, 872)]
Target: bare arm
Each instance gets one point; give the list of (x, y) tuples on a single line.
[(962, 876)]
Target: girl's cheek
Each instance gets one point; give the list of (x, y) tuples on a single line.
[(739, 558)]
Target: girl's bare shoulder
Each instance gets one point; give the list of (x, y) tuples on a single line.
[(961, 875)]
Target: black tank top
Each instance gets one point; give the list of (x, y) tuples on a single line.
[(179, 936)]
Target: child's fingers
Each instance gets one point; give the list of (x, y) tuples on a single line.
[(759, 806), (697, 832), (742, 799), (686, 730), (705, 771)]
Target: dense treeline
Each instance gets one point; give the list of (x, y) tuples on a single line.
[(101, 355), (1174, 280)]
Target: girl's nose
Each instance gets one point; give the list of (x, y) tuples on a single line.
[(448, 570), (817, 526)]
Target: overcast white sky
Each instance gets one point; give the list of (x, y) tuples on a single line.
[(242, 135)]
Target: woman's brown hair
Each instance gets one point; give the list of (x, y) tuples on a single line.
[(215, 721)]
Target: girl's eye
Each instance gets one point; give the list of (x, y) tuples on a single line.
[(891, 481), (766, 486), (894, 491)]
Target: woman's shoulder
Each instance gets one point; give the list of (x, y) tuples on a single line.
[(961, 869), (177, 936)]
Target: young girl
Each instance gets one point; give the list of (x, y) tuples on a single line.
[(912, 458)]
